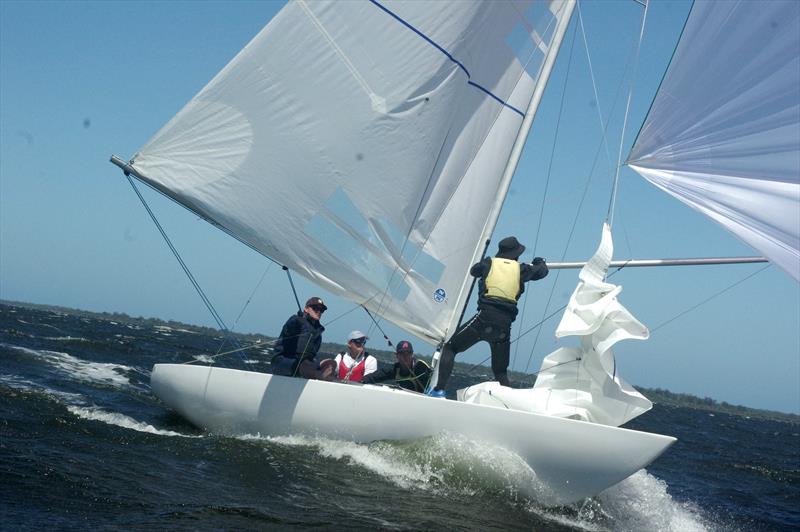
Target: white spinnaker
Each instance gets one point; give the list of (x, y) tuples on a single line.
[(363, 144), (723, 134)]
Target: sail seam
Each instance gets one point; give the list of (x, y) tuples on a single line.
[(339, 52), (448, 55)]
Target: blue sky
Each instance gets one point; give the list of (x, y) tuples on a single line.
[(82, 80)]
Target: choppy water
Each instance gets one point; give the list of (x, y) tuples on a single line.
[(83, 443)]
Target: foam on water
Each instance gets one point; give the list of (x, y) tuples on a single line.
[(458, 466), (441, 463), (101, 372), (640, 502), (19, 383), (372, 457), (94, 413)]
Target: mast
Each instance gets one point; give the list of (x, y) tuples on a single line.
[(522, 137)]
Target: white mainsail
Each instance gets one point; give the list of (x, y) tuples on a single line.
[(366, 145), (723, 134)]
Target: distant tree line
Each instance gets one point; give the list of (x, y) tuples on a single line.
[(657, 395)]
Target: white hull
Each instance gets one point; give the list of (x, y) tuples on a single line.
[(572, 459)]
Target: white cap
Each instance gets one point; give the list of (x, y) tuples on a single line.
[(355, 335)]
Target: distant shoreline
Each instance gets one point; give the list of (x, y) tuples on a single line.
[(657, 395)]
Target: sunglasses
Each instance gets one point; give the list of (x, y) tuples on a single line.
[(359, 341), (318, 308)]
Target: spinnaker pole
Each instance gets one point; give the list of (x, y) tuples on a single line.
[(633, 263)]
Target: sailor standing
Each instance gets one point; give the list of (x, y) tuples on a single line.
[(501, 283)]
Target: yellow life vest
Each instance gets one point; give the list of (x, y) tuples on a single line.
[(503, 279)]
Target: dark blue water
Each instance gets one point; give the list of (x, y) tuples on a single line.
[(84, 444)]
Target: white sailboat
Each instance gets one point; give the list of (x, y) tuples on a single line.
[(348, 141)]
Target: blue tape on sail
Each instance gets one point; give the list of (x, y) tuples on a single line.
[(449, 56)]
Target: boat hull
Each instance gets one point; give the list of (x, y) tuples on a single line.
[(572, 459)]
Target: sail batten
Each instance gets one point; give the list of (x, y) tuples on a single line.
[(365, 145), (723, 134)]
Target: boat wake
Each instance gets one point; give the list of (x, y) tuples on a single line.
[(25, 385), (453, 466), (94, 413), (81, 370)]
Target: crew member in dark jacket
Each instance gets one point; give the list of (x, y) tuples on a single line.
[(501, 283), (297, 346), (407, 372)]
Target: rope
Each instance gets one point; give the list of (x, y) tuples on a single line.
[(615, 187), (549, 173), (291, 283), (603, 143), (236, 321), (221, 324), (710, 298), (376, 325), (680, 314), (191, 277), (256, 344)]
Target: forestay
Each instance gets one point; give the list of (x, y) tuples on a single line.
[(723, 134), (366, 144), (581, 382)]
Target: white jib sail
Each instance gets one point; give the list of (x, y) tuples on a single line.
[(723, 134), (364, 144), (581, 382)]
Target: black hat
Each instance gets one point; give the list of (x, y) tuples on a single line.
[(405, 347), (314, 301), (510, 247)]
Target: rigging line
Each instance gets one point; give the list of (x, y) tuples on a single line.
[(555, 138), (376, 325), (220, 323), (236, 321), (594, 85), (340, 316), (258, 343), (539, 329), (191, 277), (549, 175), (703, 302), (128, 169), (448, 55), (603, 143), (663, 75), (485, 360), (291, 283), (615, 187)]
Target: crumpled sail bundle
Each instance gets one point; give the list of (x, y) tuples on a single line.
[(581, 382)]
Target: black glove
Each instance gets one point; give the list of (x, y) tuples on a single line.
[(537, 261)]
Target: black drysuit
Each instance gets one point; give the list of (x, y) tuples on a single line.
[(492, 322)]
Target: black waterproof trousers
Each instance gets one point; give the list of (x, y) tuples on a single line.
[(488, 325)]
